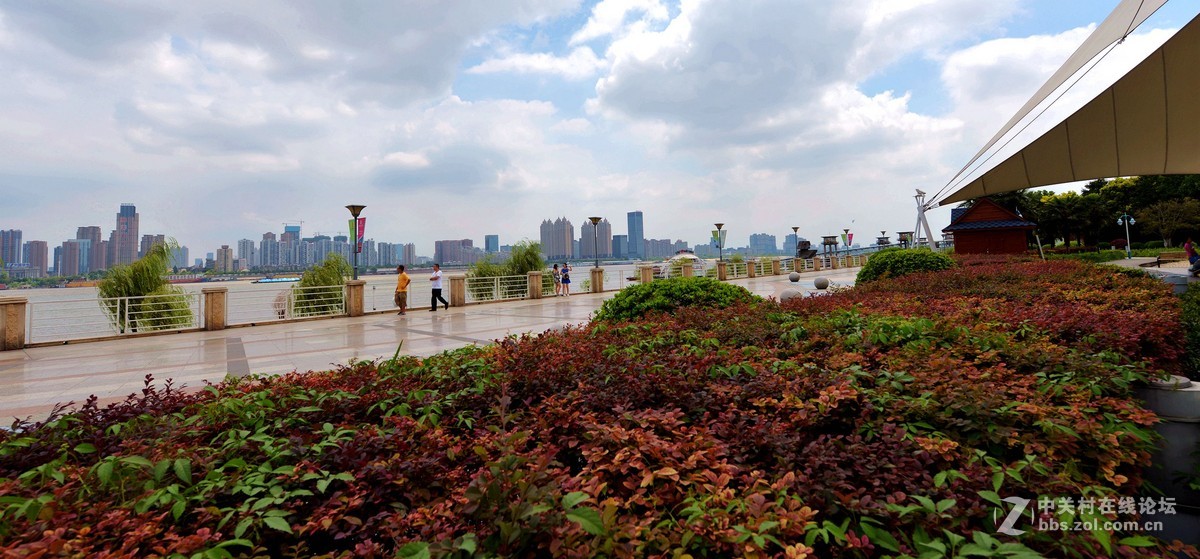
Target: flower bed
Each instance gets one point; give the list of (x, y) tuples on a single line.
[(880, 421)]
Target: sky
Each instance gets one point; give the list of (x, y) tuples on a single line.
[(450, 119)]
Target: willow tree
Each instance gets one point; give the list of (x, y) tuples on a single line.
[(320, 290), (138, 297)]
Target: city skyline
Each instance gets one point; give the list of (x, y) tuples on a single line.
[(220, 123)]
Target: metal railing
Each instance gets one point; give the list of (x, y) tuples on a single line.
[(75, 319), (498, 288), (734, 270), (383, 297)]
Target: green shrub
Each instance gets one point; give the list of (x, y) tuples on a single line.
[(666, 295), (1190, 318), (895, 262), (1154, 244), (1137, 246), (1093, 257), (1104, 246)]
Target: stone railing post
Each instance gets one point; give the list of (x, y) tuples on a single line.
[(776, 267), (458, 290), (646, 274), (751, 269), (817, 263), (687, 270), (721, 275), (354, 297), (535, 285), (597, 280), (215, 312), (12, 323)]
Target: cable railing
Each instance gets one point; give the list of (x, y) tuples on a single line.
[(101, 317)]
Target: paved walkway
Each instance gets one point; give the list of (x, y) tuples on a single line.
[(33, 380)]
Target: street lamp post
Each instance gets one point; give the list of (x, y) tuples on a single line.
[(1127, 220), (355, 209), (595, 234), (720, 245), (796, 237)]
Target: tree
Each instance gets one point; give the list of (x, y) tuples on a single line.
[(137, 297), (1170, 216), (526, 256), (319, 291)]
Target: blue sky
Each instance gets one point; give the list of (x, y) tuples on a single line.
[(455, 119)]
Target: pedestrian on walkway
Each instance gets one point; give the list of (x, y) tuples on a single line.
[(436, 283), (557, 281), (402, 281), (566, 280), (1189, 248)]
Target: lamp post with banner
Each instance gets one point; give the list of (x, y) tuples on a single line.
[(718, 238), (357, 228)]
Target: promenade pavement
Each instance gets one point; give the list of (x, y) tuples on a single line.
[(34, 380)]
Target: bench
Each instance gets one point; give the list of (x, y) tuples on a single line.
[(1164, 257)]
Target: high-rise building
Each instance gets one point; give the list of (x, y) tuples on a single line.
[(620, 246), (789, 244), (75, 257), (558, 239), (249, 252), (98, 259), (10, 247), (37, 255), (291, 234), (407, 254), (223, 262), (126, 235), (268, 250), (179, 257), (602, 239), (637, 248), (148, 242), (658, 248), (491, 243), (762, 244), (459, 251)]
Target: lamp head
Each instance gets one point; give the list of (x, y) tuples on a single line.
[(1132, 221), (355, 209), (595, 220), (719, 226)]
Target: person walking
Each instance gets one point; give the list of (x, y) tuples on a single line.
[(436, 283), (566, 280), (557, 281), (402, 281), (1189, 248)]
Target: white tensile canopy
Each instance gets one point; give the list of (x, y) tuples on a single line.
[(1147, 123)]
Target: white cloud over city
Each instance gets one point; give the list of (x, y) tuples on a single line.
[(455, 119)]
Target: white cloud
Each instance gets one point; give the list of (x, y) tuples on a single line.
[(580, 64), (611, 17)]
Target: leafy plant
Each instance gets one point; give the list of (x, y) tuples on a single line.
[(138, 296), (896, 262), (637, 300), (321, 290)]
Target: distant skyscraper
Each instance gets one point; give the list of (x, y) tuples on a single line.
[(491, 243), (179, 257), (558, 239), (223, 263), (126, 235), (407, 254), (461, 251), (268, 250), (98, 260), (249, 252), (789, 245), (148, 242), (620, 246), (75, 257), (603, 239), (637, 237), (762, 244), (291, 234), (10, 247), (37, 255)]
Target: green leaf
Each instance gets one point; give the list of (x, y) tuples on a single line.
[(105, 471), (85, 448), (991, 497), (589, 519), (183, 470), (280, 524), (414, 550), (571, 499), (880, 537), (1138, 541), (242, 526)]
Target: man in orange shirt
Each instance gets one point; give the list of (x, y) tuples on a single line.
[(402, 282)]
